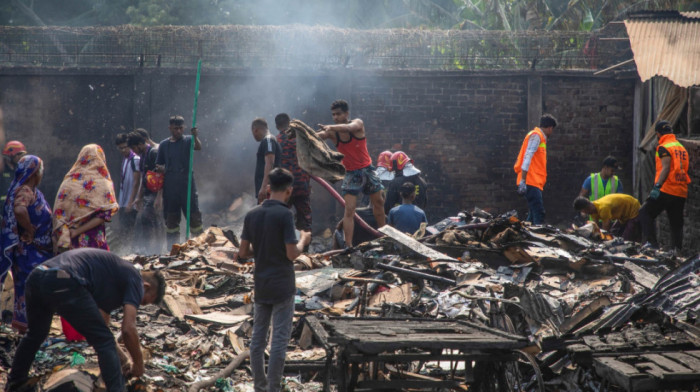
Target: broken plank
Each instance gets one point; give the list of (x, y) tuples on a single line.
[(318, 330), (181, 306), (596, 344), (616, 371), (641, 276), (651, 368), (414, 245), (594, 307), (667, 363), (219, 318), (694, 353)]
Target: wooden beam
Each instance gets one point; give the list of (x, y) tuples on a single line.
[(613, 67)]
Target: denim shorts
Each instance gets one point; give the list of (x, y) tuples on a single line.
[(363, 180)]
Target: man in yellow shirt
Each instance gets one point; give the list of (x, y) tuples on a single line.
[(617, 206)]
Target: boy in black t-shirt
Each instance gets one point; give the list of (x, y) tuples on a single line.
[(268, 234)]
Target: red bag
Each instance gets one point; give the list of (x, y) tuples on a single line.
[(154, 181)]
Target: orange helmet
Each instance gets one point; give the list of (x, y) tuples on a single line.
[(13, 148), (384, 160), (401, 159)]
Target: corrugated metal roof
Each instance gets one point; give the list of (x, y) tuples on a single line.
[(667, 47)]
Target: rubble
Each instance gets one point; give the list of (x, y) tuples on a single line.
[(484, 301)]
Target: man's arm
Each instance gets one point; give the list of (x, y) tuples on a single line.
[(269, 163), (532, 145), (245, 251), (160, 159), (123, 358), (326, 135), (665, 169), (131, 340), (136, 186), (139, 195), (295, 250), (356, 127), (197, 142)]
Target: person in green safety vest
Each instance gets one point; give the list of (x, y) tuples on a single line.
[(604, 182)]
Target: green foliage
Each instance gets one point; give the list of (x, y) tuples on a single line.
[(509, 15)]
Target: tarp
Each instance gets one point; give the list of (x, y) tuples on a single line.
[(314, 155)]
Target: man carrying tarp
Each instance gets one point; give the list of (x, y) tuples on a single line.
[(350, 139)]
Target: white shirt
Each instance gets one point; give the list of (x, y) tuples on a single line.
[(127, 182), (532, 145)]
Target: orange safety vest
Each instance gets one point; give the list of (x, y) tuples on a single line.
[(677, 181), (537, 175)]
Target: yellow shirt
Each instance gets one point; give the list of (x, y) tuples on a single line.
[(617, 206)]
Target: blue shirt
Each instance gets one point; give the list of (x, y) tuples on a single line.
[(587, 185), (407, 218)]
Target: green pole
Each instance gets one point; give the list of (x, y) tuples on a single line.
[(194, 124)]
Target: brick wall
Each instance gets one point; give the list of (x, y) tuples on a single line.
[(691, 228), (465, 133), (463, 130), (595, 120)]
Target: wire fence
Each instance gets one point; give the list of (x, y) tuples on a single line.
[(302, 47)]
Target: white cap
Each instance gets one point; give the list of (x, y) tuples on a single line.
[(410, 170), (384, 174)]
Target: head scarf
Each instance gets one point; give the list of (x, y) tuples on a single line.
[(26, 168), (86, 189)]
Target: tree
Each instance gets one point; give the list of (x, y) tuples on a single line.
[(512, 15)]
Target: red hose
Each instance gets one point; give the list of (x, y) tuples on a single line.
[(340, 199)]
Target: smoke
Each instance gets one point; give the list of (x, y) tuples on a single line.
[(224, 168)]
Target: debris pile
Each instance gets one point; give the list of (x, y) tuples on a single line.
[(480, 300)]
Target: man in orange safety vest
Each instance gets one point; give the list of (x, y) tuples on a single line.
[(670, 188), (531, 168)]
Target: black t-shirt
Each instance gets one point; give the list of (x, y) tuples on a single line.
[(663, 152), (112, 281), (268, 145), (393, 194), (148, 163), (269, 227), (175, 155)]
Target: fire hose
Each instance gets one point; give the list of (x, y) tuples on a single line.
[(340, 200)]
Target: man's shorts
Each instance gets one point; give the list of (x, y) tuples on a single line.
[(362, 180)]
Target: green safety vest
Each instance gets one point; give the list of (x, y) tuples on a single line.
[(597, 188)]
